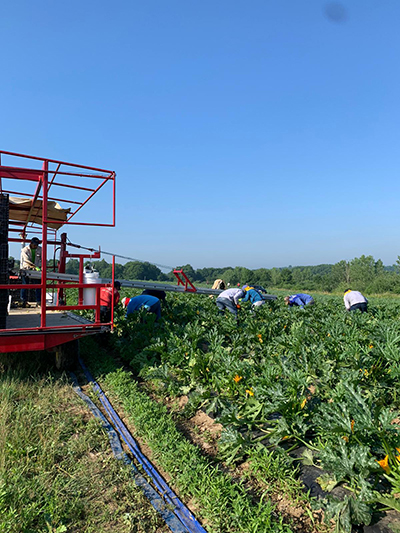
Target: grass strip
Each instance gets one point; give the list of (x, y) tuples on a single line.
[(224, 505), (57, 472)]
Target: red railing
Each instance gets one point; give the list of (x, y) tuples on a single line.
[(68, 176)]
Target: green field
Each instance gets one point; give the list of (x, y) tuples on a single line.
[(57, 472), (319, 379), (285, 390)]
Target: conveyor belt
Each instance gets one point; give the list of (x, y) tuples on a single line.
[(134, 284)]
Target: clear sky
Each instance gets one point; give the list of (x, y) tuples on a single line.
[(260, 133)]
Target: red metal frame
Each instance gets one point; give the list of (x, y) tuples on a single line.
[(53, 174), (189, 287)]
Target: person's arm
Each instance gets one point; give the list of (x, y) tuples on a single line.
[(247, 297), (237, 296), (346, 302)]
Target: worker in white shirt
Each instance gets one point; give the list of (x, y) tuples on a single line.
[(355, 300), (229, 299), (31, 259)]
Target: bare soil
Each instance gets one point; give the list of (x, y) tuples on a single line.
[(204, 432)]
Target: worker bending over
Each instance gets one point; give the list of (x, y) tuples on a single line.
[(150, 303), (355, 300), (299, 299), (31, 259), (253, 296), (106, 298), (229, 299)]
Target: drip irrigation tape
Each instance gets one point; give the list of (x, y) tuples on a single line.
[(174, 524), (181, 511)]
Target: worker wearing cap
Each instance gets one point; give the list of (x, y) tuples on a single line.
[(354, 300), (229, 299), (253, 296), (299, 299), (31, 259), (106, 298), (146, 301)]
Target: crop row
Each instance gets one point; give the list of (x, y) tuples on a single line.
[(320, 378)]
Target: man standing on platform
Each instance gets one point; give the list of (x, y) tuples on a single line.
[(31, 259)]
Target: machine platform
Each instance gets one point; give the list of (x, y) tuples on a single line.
[(29, 318)]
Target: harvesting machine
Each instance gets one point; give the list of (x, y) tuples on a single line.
[(32, 191)]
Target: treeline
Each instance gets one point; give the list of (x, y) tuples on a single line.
[(131, 270), (361, 273)]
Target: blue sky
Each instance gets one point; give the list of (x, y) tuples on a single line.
[(260, 134)]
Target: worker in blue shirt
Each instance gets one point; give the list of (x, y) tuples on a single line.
[(151, 303), (299, 299), (253, 296)]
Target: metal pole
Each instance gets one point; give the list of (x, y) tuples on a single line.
[(112, 301), (44, 245)]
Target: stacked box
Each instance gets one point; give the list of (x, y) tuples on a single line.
[(4, 214)]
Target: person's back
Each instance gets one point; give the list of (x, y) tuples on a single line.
[(151, 303), (300, 300), (231, 294), (355, 300), (106, 299), (252, 295), (229, 299), (306, 298), (106, 296)]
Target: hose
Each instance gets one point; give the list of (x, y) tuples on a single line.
[(155, 499), (181, 511)]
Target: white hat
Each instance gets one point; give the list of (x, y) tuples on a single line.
[(125, 301)]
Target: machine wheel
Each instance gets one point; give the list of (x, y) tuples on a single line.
[(66, 355)]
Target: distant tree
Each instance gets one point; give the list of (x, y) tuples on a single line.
[(362, 270), (119, 271), (379, 268), (340, 273), (16, 262), (286, 276), (103, 268), (141, 271), (189, 271), (275, 274), (237, 275), (397, 265), (72, 267), (261, 276)]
